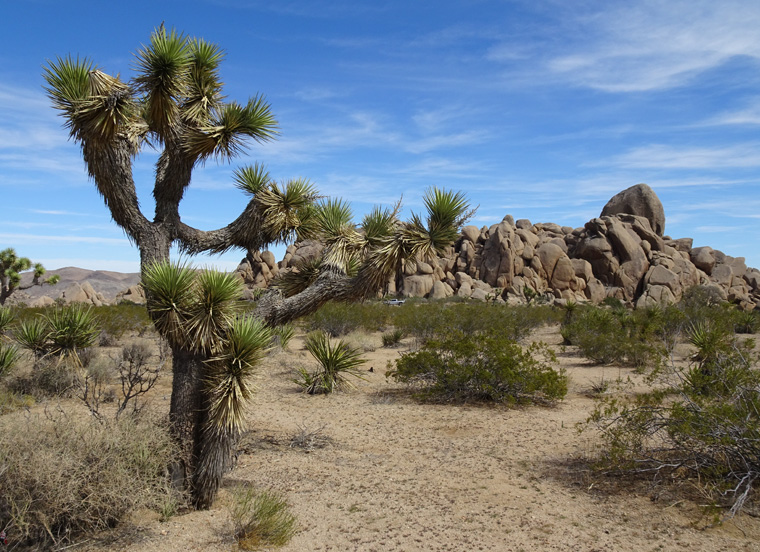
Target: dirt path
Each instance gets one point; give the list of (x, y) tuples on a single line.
[(394, 475)]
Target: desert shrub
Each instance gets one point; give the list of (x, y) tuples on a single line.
[(490, 368), (48, 378), (393, 337), (136, 375), (701, 421), (9, 355), (63, 476), (260, 518), (281, 335), (429, 320), (10, 401), (361, 341), (338, 319), (116, 321), (746, 322), (632, 338), (336, 361)]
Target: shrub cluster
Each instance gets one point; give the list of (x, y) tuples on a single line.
[(461, 367), (63, 476)]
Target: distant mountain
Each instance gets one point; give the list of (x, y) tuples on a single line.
[(105, 282)]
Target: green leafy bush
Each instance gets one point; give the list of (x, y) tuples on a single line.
[(427, 320), (701, 421), (489, 367), (339, 319), (630, 338), (123, 319), (63, 476)]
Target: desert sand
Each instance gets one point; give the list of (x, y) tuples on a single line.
[(371, 469)]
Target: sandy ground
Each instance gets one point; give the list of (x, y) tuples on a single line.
[(390, 474)]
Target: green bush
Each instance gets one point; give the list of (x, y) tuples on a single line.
[(63, 477), (428, 320), (123, 319), (488, 368), (630, 338), (336, 361), (260, 518), (701, 421), (393, 337), (339, 319)]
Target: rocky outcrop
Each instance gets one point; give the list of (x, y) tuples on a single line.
[(622, 253), (83, 293), (133, 294)]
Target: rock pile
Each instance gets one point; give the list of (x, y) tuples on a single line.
[(623, 253)]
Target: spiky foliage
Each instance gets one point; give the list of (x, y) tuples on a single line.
[(32, 335), (11, 267), (72, 329), (6, 317), (175, 103), (170, 297), (230, 373), (216, 302), (8, 357), (336, 361), (199, 311)]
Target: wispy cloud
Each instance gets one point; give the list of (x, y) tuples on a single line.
[(45, 239), (648, 45), (750, 115), (59, 213), (663, 156)]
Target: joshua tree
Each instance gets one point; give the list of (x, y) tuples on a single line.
[(10, 278), (175, 103)]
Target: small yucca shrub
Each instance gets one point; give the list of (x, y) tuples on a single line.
[(9, 355), (393, 337), (336, 361), (32, 334)]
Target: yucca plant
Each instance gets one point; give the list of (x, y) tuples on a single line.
[(709, 339), (281, 335), (9, 355), (746, 322), (393, 337), (198, 313), (33, 335), (336, 361), (6, 317), (72, 328)]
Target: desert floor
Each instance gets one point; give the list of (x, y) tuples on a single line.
[(387, 473)]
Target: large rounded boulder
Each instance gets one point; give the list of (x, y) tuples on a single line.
[(638, 200)]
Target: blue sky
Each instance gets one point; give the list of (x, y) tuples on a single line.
[(538, 109)]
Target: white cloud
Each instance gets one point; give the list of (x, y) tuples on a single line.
[(46, 240), (645, 45), (662, 156)]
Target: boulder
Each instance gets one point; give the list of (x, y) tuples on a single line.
[(471, 233), (703, 258), (418, 285), (638, 200), (133, 294)]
